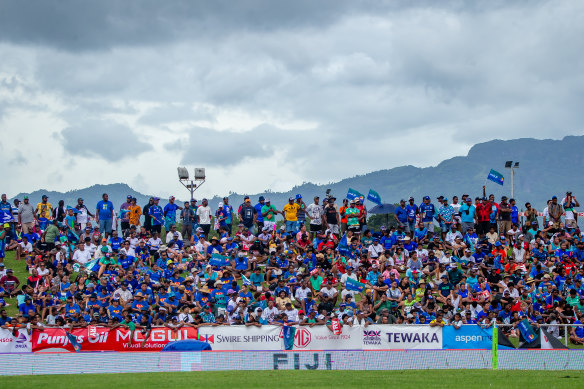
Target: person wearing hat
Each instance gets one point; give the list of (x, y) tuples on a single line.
[(445, 217), (44, 209), (332, 219), (10, 283), (260, 218), (125, 215), (504, 214), (290, 213), (269, 213), (220, 217)]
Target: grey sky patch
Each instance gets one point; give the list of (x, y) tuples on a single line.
[(102, 139)]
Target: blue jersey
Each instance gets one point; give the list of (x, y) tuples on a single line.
[(401, 214), (427, 211), (258, 208), (104, 210), (412, 210), (157, 215)]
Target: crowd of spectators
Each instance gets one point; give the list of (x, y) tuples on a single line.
[(448, 262)]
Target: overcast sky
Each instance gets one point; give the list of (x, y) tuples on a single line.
[(269, 94)]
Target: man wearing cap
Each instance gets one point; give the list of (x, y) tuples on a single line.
[(332, 217), (105, 215), (125, 215), (44, 209), (555, 211), (10, 283), (248, 214), (290, 213), (269, 213), (260, 218), (352, 214), (170, 213), (412, 213), (205, 216), (26, 216), (504, 216), (445, 216), (316, 214), (362, 213), (427, 211)]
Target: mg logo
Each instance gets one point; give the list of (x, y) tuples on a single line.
[(302, 337)]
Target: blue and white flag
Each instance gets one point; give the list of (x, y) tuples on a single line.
[(245, 280), (219, 260), (288, 333), (343, 247), (496, 177), (355, 285), (374, 197), (73, 339), (352, 194)]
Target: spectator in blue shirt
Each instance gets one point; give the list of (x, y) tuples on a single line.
[(105, 215)]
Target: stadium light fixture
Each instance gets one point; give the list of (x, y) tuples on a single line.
[(191, 185)]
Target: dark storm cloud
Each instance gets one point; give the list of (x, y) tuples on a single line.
[(104, 139)]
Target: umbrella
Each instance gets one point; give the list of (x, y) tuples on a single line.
[(383, 209)]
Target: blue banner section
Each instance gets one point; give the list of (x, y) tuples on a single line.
[(496, 177), (467, 337)]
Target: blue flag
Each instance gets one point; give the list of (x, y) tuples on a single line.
[(496, 177), (73, 339), (72, 208), (343, 247), (245, 280), (355, 285), (374, 197), (218, 260), (526, 330), (288, 334), (352, 194)]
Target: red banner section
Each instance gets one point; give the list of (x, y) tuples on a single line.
[(106, 339)]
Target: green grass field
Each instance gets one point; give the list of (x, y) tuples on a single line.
[(427, 379)]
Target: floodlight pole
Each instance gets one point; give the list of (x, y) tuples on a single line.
[(512, 166), (190, 184)]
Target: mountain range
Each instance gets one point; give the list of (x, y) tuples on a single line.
[(546, 167)]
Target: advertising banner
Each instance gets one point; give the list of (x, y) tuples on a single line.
[(467, 337), (17, 341), (272, 338), (401, 337), (107, 339)]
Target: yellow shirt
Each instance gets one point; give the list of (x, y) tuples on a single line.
[(45, 210), (291, 211)]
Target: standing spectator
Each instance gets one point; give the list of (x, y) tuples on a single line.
[(362, 214), (290, 212), (401, 216), (247, 214), (135, 211), (301, 212), (446, 217), (170, 213), (342, 215), (5, 210), (555, 212), (147, 217), (205, 216), (427, 211), (331, 216), (157, 216), (228, 209), (269, 213), (60, 212), (468, 214), (505, 216), (412, 212), (316, 214), (83, 213), (125, 215), (105, 215), (569, 203), (188, 218), (26, 215), (483, 217), (44, 209), (259, 218)]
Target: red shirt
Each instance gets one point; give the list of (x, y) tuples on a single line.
[(484, 212)]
